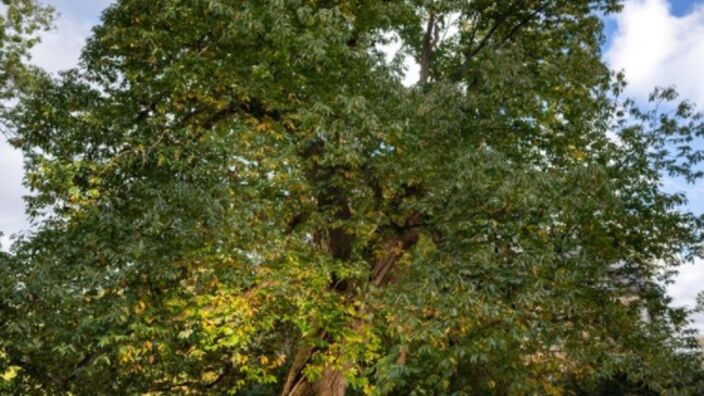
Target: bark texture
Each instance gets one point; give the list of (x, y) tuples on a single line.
[(332, 382)]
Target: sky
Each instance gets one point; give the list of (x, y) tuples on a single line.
[(655, 42), (661, 43)]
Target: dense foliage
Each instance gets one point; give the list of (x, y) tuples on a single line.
[(242, 197)]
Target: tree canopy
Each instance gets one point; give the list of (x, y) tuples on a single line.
[(243, 197)]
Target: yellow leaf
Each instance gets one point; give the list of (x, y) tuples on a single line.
[(263, 126), (10, 373), (140, 307), (577, 154), (240, 359), (280, 360), (209, 376), (126, 355)]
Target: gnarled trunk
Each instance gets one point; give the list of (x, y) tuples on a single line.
[(332, 382), (337, 242)]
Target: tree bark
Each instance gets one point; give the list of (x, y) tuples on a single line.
[(332, 381), (427, 54), (338, 242)]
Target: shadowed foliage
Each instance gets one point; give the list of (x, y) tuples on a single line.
[(242, 197)]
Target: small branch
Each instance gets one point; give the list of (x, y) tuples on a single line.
[(427, 54), (521, 24), (500, 21)]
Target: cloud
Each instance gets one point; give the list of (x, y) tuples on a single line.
[(61, 47), (687, 284), (657, 48), (12, 217), (59, 50)]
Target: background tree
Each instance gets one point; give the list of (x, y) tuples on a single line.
[(242, 197), (20, 20)]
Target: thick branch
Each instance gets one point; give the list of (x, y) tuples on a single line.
[(427, 54), (394, 248)]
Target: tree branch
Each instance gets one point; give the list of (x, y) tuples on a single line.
[(427, 54), (499, 22)]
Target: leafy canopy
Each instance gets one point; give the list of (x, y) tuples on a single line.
[(243, 198)]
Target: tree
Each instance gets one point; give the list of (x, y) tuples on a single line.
[(243, 198), (19, 22)]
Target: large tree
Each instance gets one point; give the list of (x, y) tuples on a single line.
[(243, 197)]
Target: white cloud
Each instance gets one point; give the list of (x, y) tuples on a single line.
[(59, 50), (687, 285), (61, 47), (657, 48), (12, 217)]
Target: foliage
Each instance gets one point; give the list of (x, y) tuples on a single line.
[(243, 198), (20, 20)]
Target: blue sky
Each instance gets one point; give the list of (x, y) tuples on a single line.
[(661, 43), (682, 7), (656, 42)]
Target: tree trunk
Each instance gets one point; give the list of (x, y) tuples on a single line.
[(332, 381), (337, 242)]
